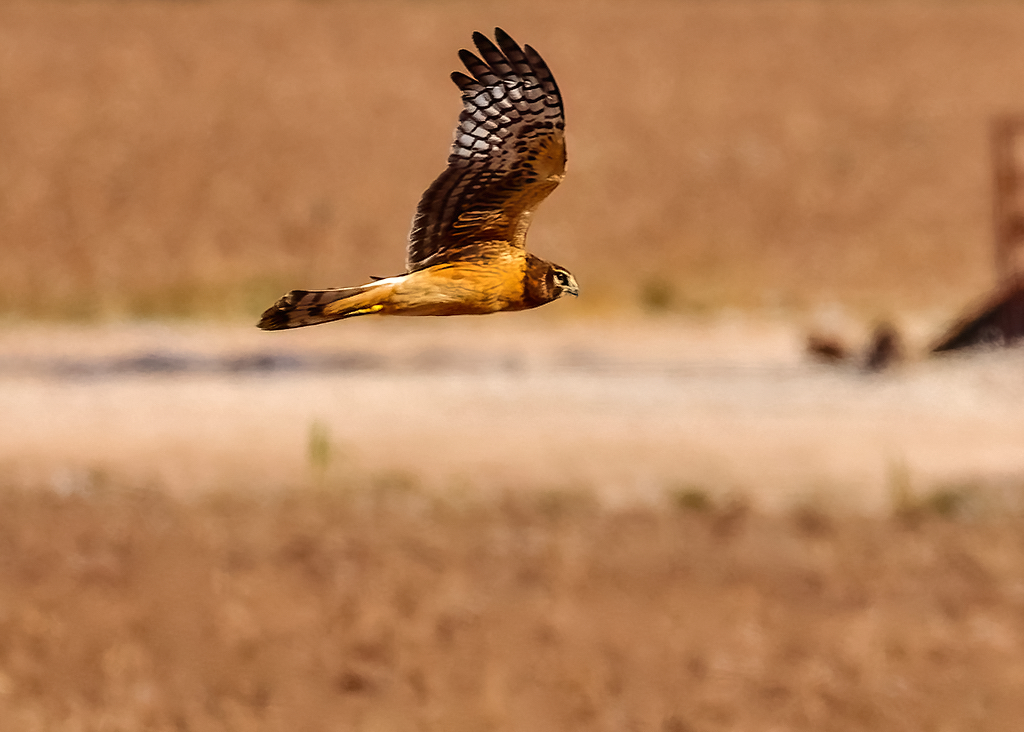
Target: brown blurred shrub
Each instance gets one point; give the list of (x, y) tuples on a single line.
[(370, 610)]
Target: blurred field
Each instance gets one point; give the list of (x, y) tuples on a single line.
[(645, 510), (508, 524), (183, 158), (396, 611), (628, 411)]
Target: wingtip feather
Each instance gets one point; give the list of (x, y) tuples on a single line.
[(464, 81), (273, 319)]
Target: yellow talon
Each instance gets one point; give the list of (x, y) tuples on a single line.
[(366, 311)]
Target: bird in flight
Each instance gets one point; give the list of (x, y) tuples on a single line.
[(466, 252)]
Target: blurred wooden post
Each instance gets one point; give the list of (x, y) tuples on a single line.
[(1008, 213)]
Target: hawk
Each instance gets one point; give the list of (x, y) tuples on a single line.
[(466, 251)]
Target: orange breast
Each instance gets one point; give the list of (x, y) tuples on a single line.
[(459, 288)]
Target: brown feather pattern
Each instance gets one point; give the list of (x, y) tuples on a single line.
[(507, 156)]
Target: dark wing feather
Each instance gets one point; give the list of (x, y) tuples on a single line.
[(508, 155)]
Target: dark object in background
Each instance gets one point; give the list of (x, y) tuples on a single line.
[(1007, 140), (885, 348), (999, 321), (826, 348)]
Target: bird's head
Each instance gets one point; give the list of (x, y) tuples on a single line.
[(561, 282), (544, 282)]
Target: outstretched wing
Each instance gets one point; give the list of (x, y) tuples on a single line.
[(508, 155)]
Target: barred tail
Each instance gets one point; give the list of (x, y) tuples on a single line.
[(309, 307)]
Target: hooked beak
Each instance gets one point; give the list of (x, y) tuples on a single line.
[(573, 289)]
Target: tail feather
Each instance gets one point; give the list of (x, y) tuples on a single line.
[(299, 308)]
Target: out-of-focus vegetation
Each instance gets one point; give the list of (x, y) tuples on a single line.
[(394, 610), (163, 158)]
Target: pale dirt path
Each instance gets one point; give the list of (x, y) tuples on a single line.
[(631, 410)]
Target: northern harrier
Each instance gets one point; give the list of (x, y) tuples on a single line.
[(466, 252)]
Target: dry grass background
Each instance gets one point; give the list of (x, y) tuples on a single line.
[(390, 610), (202, 157), (199, 158)]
